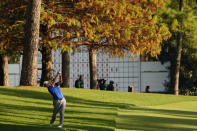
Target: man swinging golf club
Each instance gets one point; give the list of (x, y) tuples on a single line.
[(59, 101)]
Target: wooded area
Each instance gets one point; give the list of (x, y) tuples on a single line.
[(161, 29)]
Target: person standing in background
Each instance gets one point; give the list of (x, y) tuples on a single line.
[(110, 87), (79, 82)]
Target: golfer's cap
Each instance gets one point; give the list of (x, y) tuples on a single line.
[(46, 82)]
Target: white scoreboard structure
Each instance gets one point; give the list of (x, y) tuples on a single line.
[(123, 71)]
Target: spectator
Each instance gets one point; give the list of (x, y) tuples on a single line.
[(110, 87), (79, 82), (147, 89), (130, 88), (103, 86)]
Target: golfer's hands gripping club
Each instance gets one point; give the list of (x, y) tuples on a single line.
[(58, 72)]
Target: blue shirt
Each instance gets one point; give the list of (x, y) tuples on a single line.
[(55, 92)]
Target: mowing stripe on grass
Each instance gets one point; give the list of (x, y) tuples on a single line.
[(93, 110)]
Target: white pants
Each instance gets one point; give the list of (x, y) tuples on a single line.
[(59, 106)]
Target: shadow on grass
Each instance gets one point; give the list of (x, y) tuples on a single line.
[(99, 104), (149, 123), (178, 113), (27, 126), (24, 107), (46, 96), (86, 128), (21, 116), (83, 121), (7, 127), (89, 112), (30, 101), (25, 93)]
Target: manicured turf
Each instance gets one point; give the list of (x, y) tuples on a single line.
[(30, 109)]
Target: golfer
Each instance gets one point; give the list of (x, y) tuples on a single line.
[(59, 101)]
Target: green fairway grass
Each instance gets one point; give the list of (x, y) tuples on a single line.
[(30, 109)]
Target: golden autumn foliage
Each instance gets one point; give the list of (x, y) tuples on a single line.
[(111, 25), (114, 26), (11, 25)]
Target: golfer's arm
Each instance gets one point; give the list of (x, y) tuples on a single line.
[(54, 81)]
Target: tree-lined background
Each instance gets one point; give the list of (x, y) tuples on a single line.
[(164, 30)]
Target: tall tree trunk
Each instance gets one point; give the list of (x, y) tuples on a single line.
[(178, 58), (65, 69), (30, 53), (93, 72), (178, 64), (4, 76), (46, 65)]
